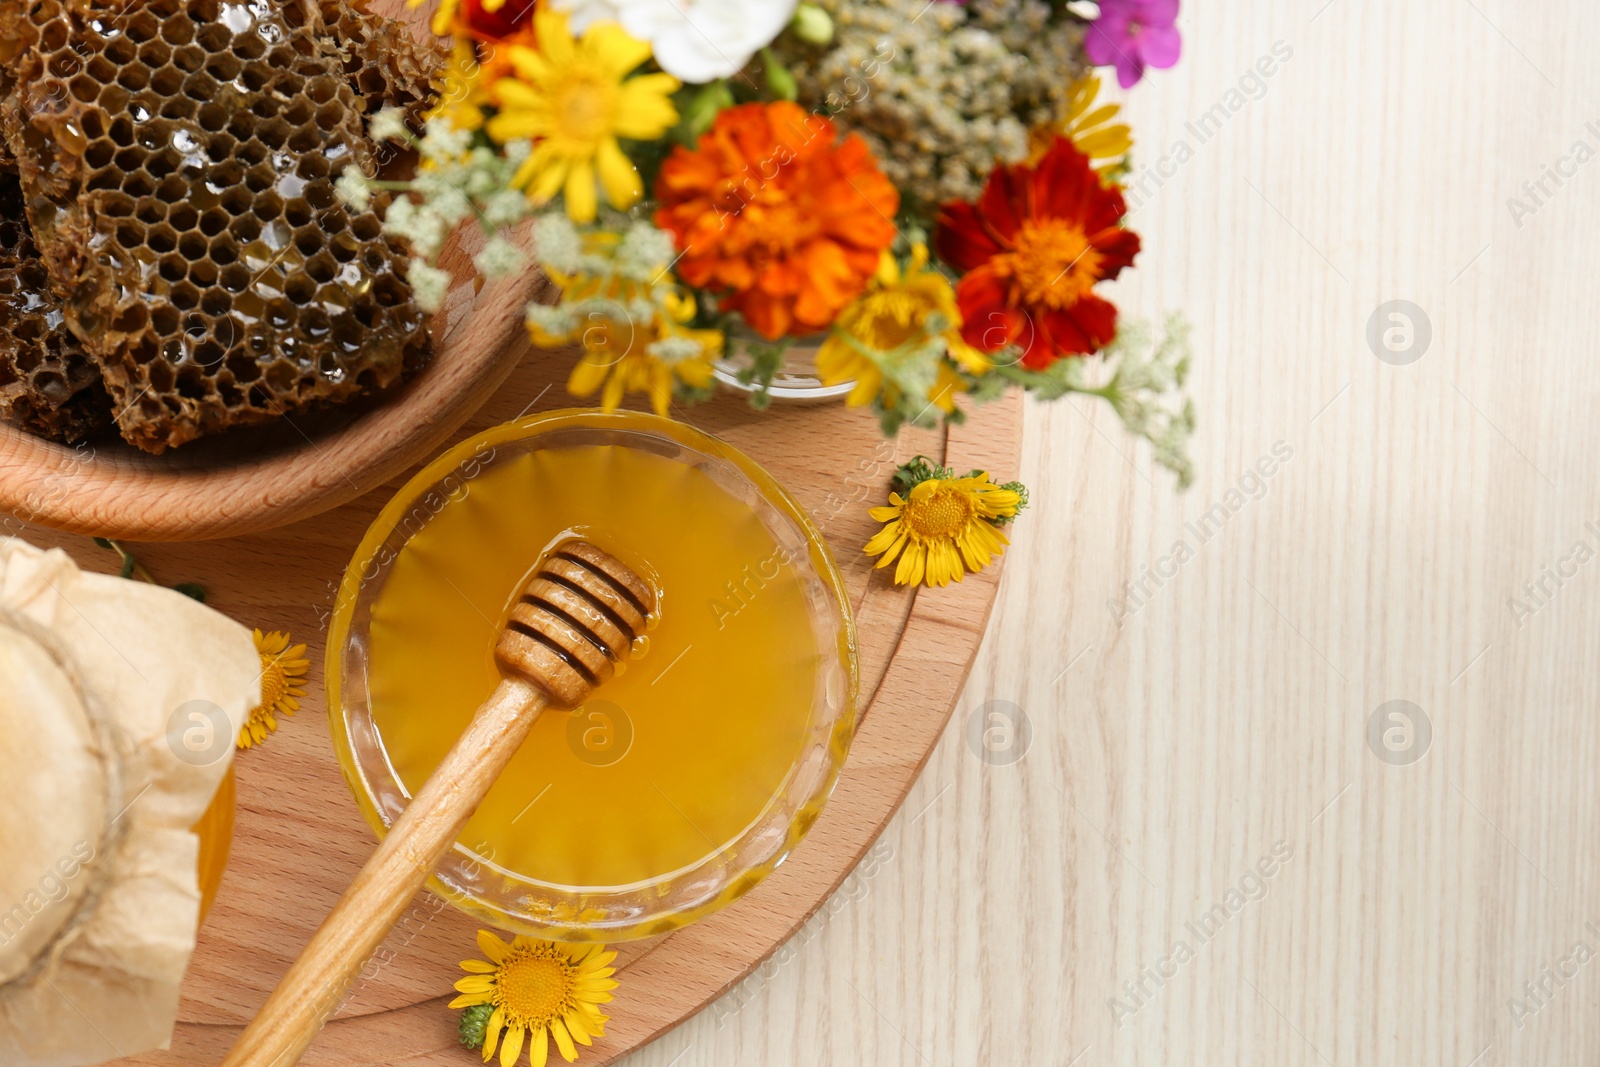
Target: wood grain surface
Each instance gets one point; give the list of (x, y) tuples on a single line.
[(1229, 712)]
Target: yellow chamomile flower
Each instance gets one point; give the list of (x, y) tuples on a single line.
[(627, 353), (943, 528), (1090, 128), (283, 678), (573, 98), (626, 309), (895, 319), (540, 991)]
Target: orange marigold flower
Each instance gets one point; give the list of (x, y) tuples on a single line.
[(1031, 250), (773, 211)]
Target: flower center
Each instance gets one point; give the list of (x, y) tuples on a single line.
[(532, 989), (584, 106), (941, 515), (274, 683), (1053, 264), (888, 319)]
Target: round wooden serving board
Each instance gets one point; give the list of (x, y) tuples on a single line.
[(300, 839)]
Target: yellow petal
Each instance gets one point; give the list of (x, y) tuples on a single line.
[(611, 396), (513, 1046), (587, 376), (539, 1052), (618, 175), (613, 49), (888, 270), (475, 983), (577, 1028), (468, 1000), (582, 202), (569, 1052), (885, 537), (900, 542), (661, 390), (1098, 116), (491, 1033), (511, 125), (644, 107), (913, 565), (478, 967), (555, 39), (551, 173), (492, 946)]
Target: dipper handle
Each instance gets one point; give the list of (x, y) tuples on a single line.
[(575, 623)]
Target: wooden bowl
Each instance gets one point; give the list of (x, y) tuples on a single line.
[(248, 480)]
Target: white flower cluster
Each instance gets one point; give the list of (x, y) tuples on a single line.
[(640, 256), (1146, 389), (634, 286), (457, 181)]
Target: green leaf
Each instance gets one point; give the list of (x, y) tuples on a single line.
[(192, 590)]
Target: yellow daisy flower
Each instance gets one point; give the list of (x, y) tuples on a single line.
[(540, 990), (617, 357), (283, 676), (1092, 131), (893, 319), (942, 529), (574, 99)]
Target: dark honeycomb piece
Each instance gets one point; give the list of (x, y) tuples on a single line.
[(178, 159), (48, 383), (384, 63)]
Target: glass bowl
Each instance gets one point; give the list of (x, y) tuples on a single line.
[(514, 901)]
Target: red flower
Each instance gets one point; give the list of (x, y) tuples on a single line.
[(507, 20), (1031, 250)]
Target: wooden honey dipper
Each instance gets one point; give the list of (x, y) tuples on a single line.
[(576, 621)]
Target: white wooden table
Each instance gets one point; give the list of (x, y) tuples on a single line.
[(1201, 774)]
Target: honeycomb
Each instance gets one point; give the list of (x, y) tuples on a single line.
[(178, 158), (48, 384), (385, 65)]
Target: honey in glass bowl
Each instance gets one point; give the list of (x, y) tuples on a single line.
[(673, 758), (688, 776)]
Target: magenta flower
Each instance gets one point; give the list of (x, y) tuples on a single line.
[(1133, 34)]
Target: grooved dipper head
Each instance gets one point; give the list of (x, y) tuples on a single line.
[(576, 621)]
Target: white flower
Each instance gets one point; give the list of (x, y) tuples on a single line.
[(444, 143), (675, 350), (420, 225), (389, 125), (499, 259), (354, 188), (556, 242), (644, 253), (429, 285), (506, 208), (694, 40)]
